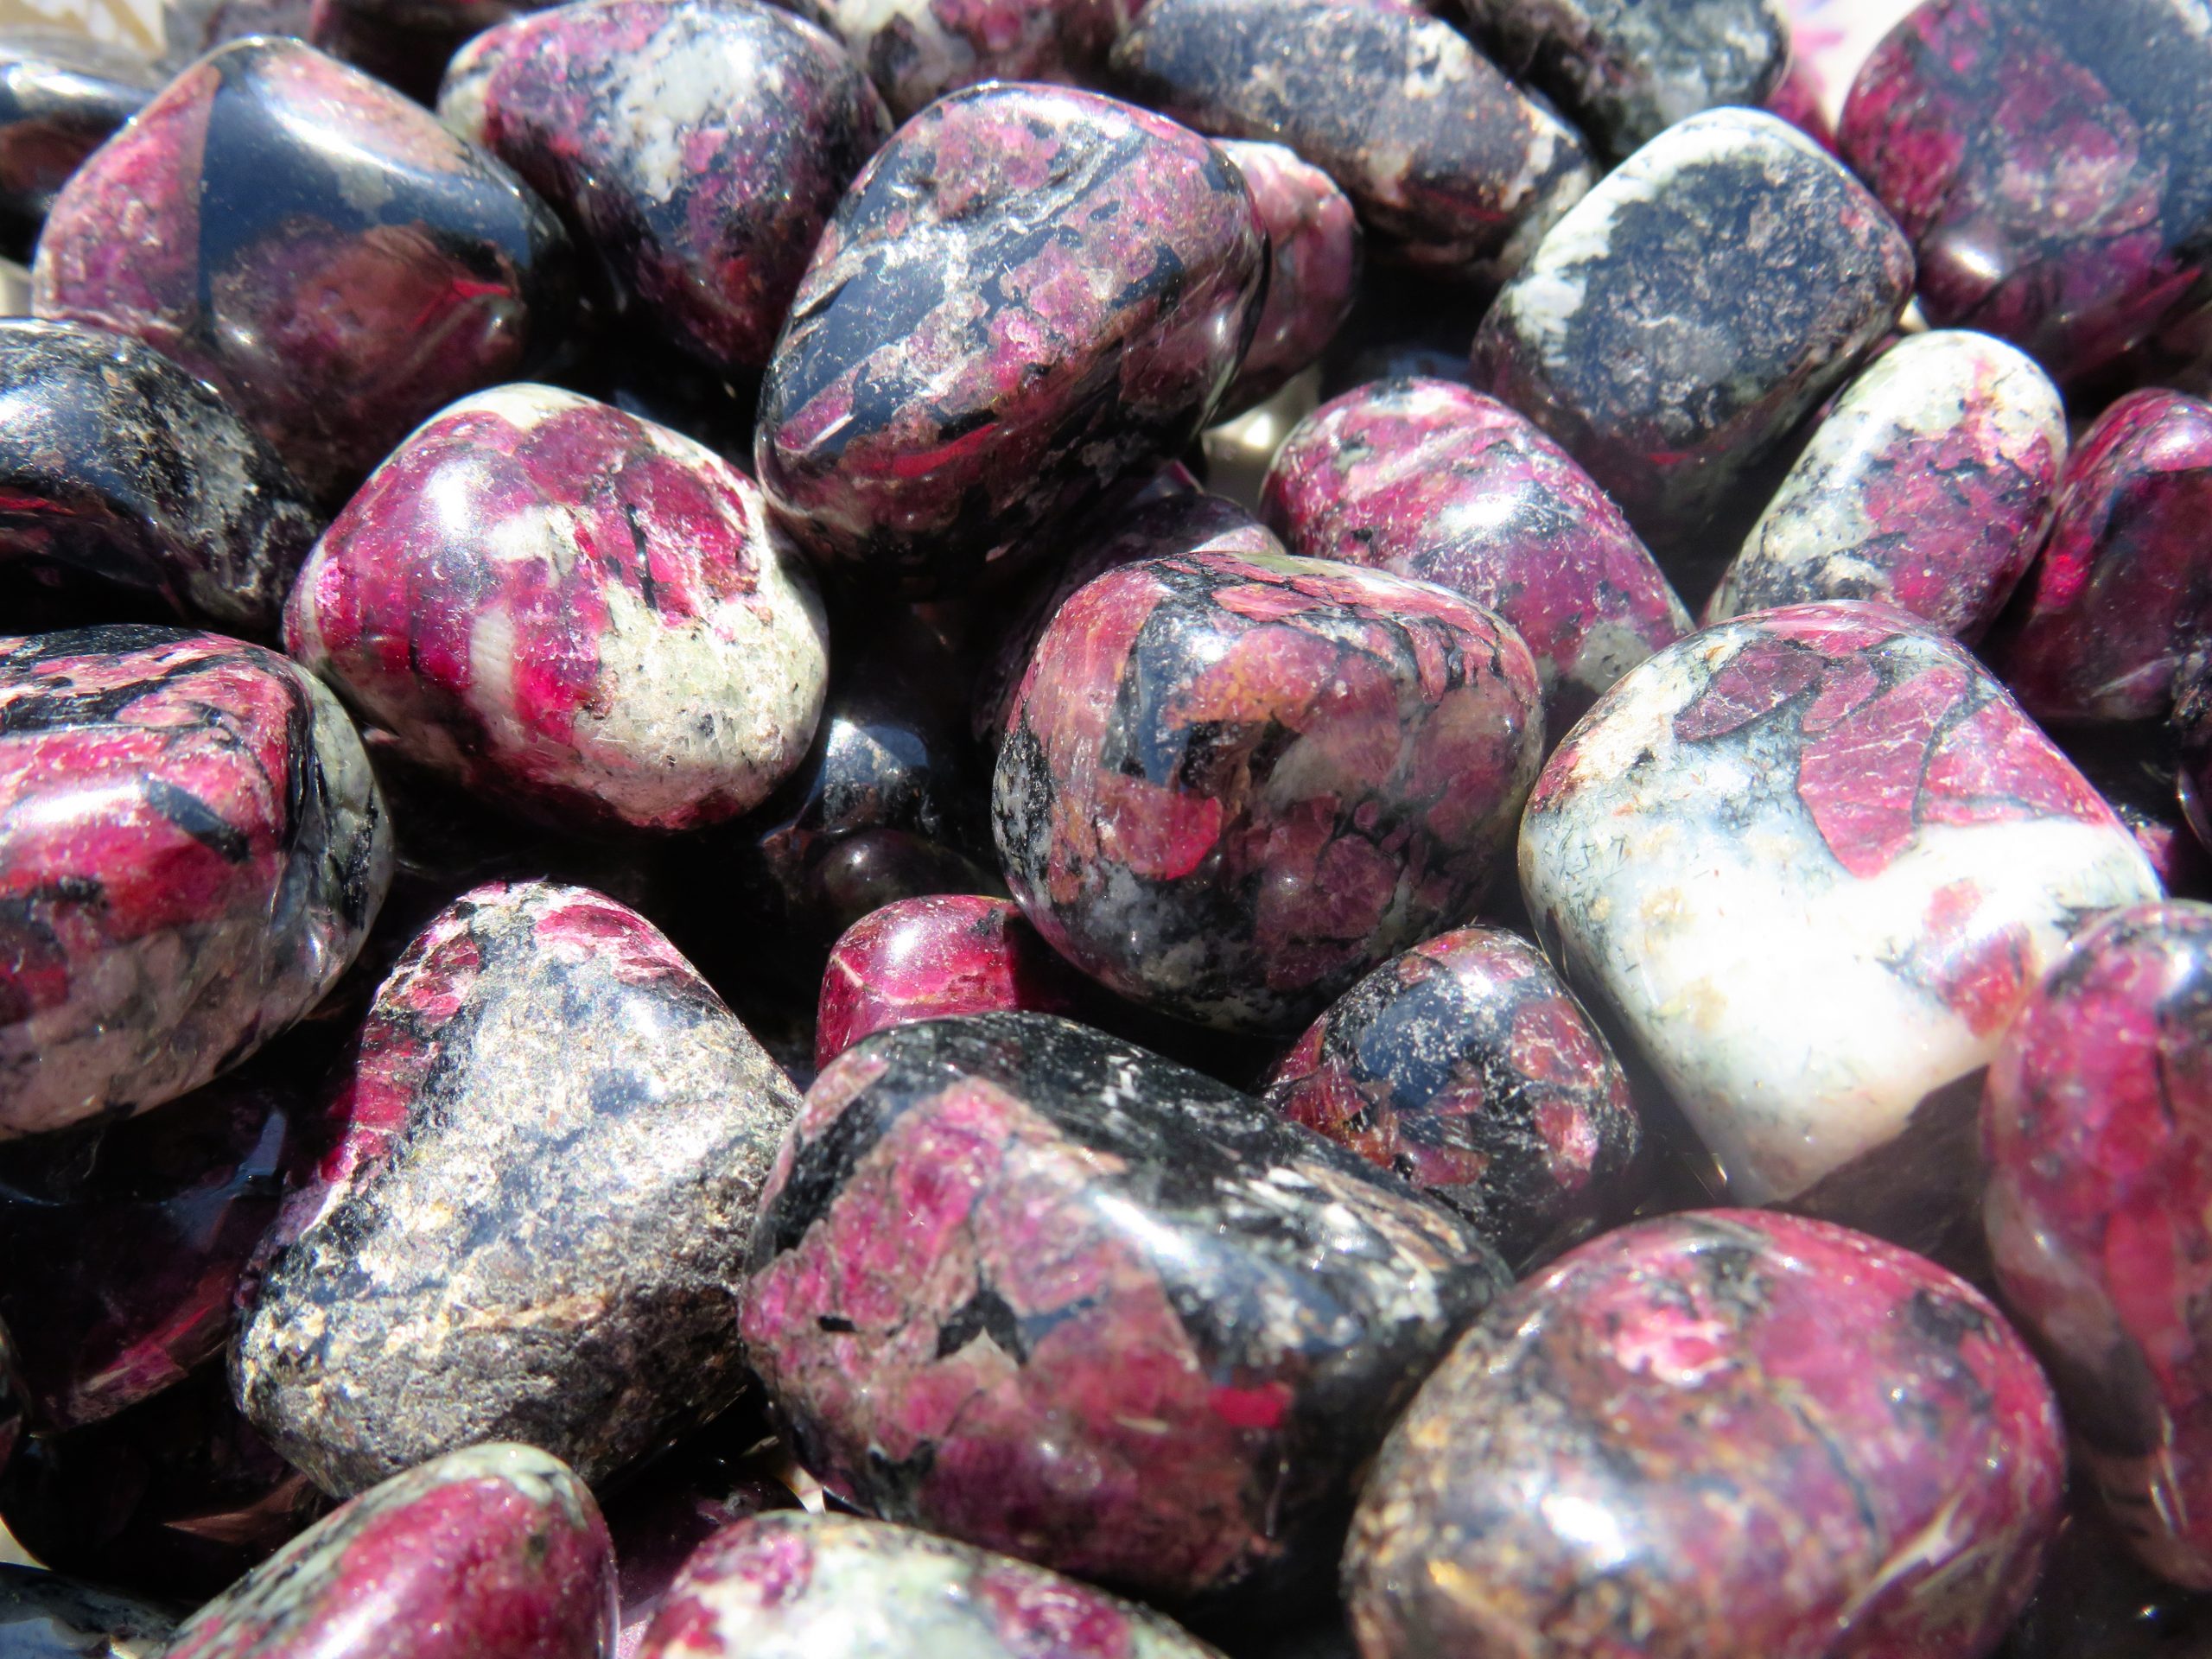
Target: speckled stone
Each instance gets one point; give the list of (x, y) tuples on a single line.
[(1816, 860), (1231, 786), (496, 1552), (1315, 256), (1029, 293), (1929, 485), (313, 245), (917, 50), (530, 1227), (1730, 1433), (46, 1616), (1025, 1286), (582, 612), (695, 147), (1450, 166), (1430, 480), (61, 94), (1683, 316)]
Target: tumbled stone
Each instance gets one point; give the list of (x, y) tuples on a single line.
[(1684, 315), (583, 612), (918, 50), (61, 95), (787, 1586), (1730, 1433), (1448, 163), (2095, 1601), (313, 245), (1313, 267), (1814, 860), (494, 1552), (1929, 485), (193, 850), (1029, 293), (1230, 785), (46, 1616), (1026, 1286), (695, 148), (543, 1056), (1426, 479), (1798, 99), (115, 462)]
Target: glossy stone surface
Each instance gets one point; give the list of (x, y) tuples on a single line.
[(1029, 293), (1448, 164), (695, 147), (2052, 164), (2123, 593), (496, 1552), (543, 1161), (1682, 317), (313, 245), (61, 94), (1816, 860), (1731, 1432), (116, 463), (1313, 267), (191, 851), (797, 1586), (1025, 1286), (581, 613), (46, 1616), (1929, 485), (918, 50), (1426, 479), (1230, 785)]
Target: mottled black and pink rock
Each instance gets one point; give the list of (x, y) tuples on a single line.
[(583, 614), (1429, 479), (313, 245), (1729, 1433), (61, 95), (1450, 166), (47, 1615), (1314, 250), (918, 50), (191, 850), (1028, 1286), (495, 1552), (695, 148), (531, 1223), (2051, 161), (1030, 293)]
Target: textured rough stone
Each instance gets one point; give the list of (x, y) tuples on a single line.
[(1230, 785), (1029, 293), (1313, 267), (61, 94), (1729, 1433), (1026, 1286), (46, 1616), (530, 1223), (918, 50)]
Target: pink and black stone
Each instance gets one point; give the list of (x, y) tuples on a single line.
[(836, 1583), (61, 95), (1314, 250), (579, 613), (1230, 785), (917, 51), (2097, 1126), (2122, 596), (695, 148), (700, 1486), (47, 1615), (1467, 1067), (1449, 164), (1729, 1433), (1028, 1286), (315, 247), (543, 1161), (116, 464), (2051, 163), (493, 1552), (1681, 319), (1030, 293), (191, 850), (1429, 479)]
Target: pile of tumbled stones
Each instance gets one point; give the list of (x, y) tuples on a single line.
[(696, 959)]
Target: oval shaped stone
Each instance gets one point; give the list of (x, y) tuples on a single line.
[(1024, 1284), (1731, 1432), (531, 1220), (493, 1552), (695, 148), (1314, 250), (1230, 785), (313, 245), (1429, 479), (1814, 860), (61, 95), (918, 50), (583, 612), (46, 1616), (1029, 293), (1929, 485)]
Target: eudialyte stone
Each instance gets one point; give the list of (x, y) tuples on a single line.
[(46, 1616), (918, 50), (61, 95), (1729, 1433), (1313, 267)]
